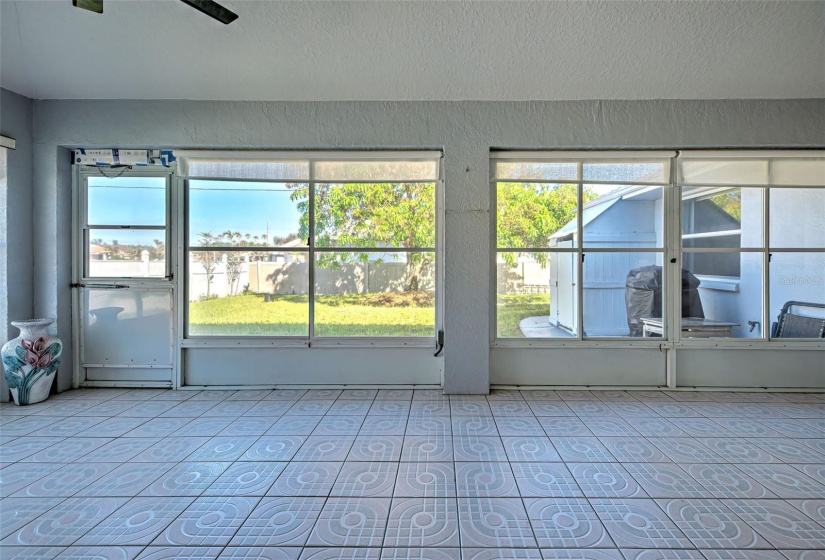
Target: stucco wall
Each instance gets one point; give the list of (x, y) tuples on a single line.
[(464, 130), (16, 204)]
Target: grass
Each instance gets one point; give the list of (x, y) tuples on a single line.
[(512, 308), (371, 315)]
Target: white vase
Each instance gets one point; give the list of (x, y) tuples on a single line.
[(31, 361)]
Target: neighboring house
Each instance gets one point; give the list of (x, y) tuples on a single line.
[(98, 253)]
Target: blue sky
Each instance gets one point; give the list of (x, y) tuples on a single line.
[(214, 206)]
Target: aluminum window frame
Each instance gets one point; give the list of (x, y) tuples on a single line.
[(673, 247), (312, 341)]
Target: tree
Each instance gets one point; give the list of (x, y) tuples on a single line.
[(209, 259), (528, 214), (360, 215)]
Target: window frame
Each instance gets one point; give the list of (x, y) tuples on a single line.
[(84, 228), (672, 250), (311, 340)]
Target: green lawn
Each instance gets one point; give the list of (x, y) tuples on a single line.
[(343, 315)]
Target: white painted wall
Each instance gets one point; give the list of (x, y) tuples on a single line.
[(466, 131), (16, 249)]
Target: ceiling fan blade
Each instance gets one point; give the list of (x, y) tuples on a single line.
[(213, 10), (91, 5)]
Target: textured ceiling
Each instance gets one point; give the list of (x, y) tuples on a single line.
[(424, 50)]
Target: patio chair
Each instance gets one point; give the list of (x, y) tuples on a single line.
[(791, 325)]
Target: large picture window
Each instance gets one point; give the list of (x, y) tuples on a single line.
[(571, 229), (582, 238), (333, 245)]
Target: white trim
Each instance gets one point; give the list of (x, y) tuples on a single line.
[(317, 155), (580, 155), (751, 154)]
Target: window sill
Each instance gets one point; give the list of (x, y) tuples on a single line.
[(718, 283)]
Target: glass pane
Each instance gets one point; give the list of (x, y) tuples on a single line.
[(536, 215), (127, 201), (643, 172), (243, 214), (623, 216), (375, 294), (127, 327), (798, 277), (724, 172), (797, 218), (721, 218), (249, 169), (721, 293), (376, 171), (619, 289), (248, 293), (375, 215), (798, 171), (126, 253), (539, 171), (536, 295)]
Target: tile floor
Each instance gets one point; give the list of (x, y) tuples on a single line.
[(395, 474)]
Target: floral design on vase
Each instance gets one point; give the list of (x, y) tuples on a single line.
[(31, 361)]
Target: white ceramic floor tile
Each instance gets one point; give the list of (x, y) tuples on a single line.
[(351, 522), (137, 522), (566, 523), (66, 522), (211, 521), (494, 523), (425, 480), (427, 522), (306, 479), (279, 522)]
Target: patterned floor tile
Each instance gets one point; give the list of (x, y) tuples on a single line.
[(605, 480), (21, 477), (471, 426), (65, 522), (338, 426), (425, 480), (307, 407), (742, 555), (427, 522), (350, 407), (709, 524), (746, 427), (137, 522), (509, 408), (211, 521), (638, 523), (579, 554), (205, 426), (384, 426), (790, 451), (67, 450), (119, 450), (737, 450), (784, 481), (424, 408), (67, 481), (125, 480), (582, 450), (351, 522), (250, 478), (279, 522), (223, 448), (420, 554), (519, 426), (605, 426), (566, 523), (170, 449), (248, 426), (701, 427), (186, 479), (564, 426), (495, 523), (726, 481), (32, 552), (545, 480), (632, 449), (179, 553), (376, 448), (429, 425), (664, 554), (261, 553), (427, 448), (71, 426), (482, 448), (294, 426), (100, 553), (530, 449), (781, 524), (306, 479), (815, 509), (340, 553), (655, 427), (685, 450), (485, 479), (274, 448), (158, 427), (386, 407), (666, 480), (366, 479), (545, 408), (17, 512)]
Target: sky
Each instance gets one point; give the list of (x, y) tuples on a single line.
[(214, 206)]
